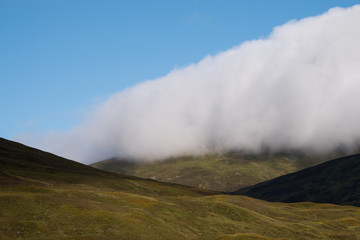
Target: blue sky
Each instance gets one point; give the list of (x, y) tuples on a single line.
[(59, 58)]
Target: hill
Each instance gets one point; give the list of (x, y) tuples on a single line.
[(43, 196), (227, 172), (336, 181)]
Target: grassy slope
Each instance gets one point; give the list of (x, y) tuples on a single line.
[(46, 197), (336, 181), (227, 172)]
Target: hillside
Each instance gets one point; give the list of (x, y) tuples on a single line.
[(43, 196), (21, 165), (227, 172), (336, 181)]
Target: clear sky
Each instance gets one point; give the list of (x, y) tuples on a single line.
[(58, 58)]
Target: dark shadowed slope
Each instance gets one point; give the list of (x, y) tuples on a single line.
[(336, 181)]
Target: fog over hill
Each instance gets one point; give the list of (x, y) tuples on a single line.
[(297, 88)]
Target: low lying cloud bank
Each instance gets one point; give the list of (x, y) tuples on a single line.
[(298, 88)]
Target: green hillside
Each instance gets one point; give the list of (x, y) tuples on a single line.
[(336, 181), (43, 196), (227, 172)]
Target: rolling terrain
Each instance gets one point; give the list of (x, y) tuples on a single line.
[(43, 196), (227, 172), (336, 181)]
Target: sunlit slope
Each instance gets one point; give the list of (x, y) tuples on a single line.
[(227, 172), (336, 181), (43, 196)]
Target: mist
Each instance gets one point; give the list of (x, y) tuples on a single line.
[(297, 88)]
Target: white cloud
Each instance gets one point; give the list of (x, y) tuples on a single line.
[(297, 88)]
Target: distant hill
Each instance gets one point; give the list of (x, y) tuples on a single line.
[(43, 196), (336, 181), (227, 172)]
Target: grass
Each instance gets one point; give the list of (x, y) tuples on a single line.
[(92, 213), (43, 196)]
